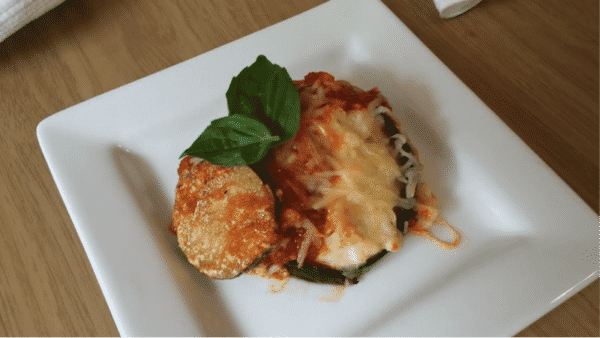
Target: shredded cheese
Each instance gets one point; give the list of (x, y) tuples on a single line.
[(309, 236), (348, 167), (444, 244), (411, 173)]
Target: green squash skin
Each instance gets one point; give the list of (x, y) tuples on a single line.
[(320, 274)]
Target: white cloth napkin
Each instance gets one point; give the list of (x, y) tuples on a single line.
[(451, 8), (15, 14)]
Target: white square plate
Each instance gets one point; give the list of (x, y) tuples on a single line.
[(114, 159)]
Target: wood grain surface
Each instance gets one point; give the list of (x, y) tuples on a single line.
[(534, 63)]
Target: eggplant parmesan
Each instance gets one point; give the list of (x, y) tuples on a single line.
[(346, 191)]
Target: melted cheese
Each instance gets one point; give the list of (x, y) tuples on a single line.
[(341, 178), (368, 184), (370, 194), (341, 161)]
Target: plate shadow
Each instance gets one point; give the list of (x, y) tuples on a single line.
[(200, 292), (482, 257)]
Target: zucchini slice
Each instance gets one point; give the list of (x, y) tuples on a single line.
[(320, 274)]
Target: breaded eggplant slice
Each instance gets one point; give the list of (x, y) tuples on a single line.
[(224, 217)]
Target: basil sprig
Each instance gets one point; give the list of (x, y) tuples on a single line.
[(266, 91), (233, 140), (264, 111)]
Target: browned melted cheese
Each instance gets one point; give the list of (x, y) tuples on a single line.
[(337, 179)]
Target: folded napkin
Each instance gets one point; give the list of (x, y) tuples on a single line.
[(451, 8), (15, 14)]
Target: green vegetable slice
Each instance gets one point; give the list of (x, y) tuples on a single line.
[(320, 274)]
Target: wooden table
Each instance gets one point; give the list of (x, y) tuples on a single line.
[(534, 63)]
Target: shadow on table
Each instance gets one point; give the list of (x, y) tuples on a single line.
[(198, 290)]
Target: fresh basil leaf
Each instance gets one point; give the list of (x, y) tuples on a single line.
[(245, 126), (264, 111), (233, 140), (237, 156), (266, 91)]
